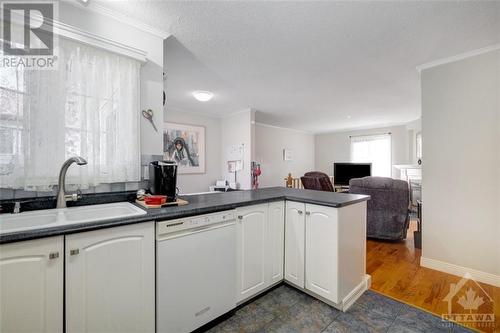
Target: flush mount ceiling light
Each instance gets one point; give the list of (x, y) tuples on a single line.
[(203, 96)]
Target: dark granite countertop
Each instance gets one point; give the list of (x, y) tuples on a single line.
[(199, 204)]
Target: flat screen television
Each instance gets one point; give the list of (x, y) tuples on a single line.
[(344, 172)]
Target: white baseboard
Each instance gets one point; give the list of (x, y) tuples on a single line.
[(348, 301), (356, 293), (461, 271)]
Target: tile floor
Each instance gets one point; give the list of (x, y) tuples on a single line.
[(287, 310)]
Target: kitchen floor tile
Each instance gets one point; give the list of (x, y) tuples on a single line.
[(288, 310)]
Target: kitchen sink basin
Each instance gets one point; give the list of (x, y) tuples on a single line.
[(66, 216)]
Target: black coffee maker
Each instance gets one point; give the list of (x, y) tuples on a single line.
[(163, 179)]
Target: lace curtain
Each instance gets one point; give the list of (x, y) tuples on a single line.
[(374, 149), (88, 107)]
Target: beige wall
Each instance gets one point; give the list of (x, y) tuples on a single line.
[(336, 147), (269, 144), (236, 129), (461, 169), (194, 183)]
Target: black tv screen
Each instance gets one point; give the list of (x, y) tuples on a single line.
[(344, 172)]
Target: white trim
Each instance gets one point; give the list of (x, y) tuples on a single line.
[(74, 33), (461, 271), (168, 108), (68, 31), (283, 128), (458, 57), (96, 8), (237, 112), (365, 128), (357, 292)]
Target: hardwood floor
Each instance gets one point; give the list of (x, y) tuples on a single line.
[(396, 272)]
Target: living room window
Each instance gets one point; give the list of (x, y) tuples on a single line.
[(88, 107), (374, 149)]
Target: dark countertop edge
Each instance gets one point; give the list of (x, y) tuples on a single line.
[(327, 204), (154, 215)]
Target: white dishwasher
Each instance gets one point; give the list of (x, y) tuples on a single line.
[(195, 271)]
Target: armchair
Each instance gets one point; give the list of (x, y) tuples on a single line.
[(387, 213), (316, 180)]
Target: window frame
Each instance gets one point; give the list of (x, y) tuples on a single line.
[(367, 137)]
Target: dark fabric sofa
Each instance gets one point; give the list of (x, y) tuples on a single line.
[(387, 214)]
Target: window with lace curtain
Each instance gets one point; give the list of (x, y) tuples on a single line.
[(374, 149), (88, 107)]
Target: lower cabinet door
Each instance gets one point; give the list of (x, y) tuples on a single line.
[(110, 281), (276, 241), (294, 243), (321, 251), (252, 230), (31, 286)]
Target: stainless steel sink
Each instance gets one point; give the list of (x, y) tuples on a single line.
[(66, 216)]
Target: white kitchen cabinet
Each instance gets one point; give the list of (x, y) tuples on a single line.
[(252, 232), (110, 281), (321, 251), (294, 243), (333, 240), (31, 286), (276, 241)]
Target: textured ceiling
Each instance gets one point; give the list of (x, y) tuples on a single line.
[(316, 66)]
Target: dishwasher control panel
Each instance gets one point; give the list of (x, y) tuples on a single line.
[(193, 222)]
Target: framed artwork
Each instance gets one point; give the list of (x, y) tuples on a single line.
[(287, 155), (185, 144), (418, 143)]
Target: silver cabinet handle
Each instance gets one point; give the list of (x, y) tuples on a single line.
[(300, 212), (74, 252), (308, 213), (53, 255)]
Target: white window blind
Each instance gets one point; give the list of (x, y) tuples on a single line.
[(88, 107), (374, 149)]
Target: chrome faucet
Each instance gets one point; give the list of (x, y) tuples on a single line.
[(61, 195), (17, 207)]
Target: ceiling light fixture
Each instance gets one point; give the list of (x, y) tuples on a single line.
[(203, 96)]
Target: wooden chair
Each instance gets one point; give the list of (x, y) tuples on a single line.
[(292, 182)]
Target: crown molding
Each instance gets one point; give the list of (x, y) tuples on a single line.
[(458, 57), (99, 9), (365, 128), (168, 108), (283, 128), (71, 32), (107, 44)]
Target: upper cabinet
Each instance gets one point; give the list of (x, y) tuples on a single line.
[(110, 283), (31, 286)]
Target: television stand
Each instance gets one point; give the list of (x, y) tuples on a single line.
[(341, 189)]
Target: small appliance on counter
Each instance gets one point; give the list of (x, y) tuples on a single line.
[(163, 179), (220, 186)]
